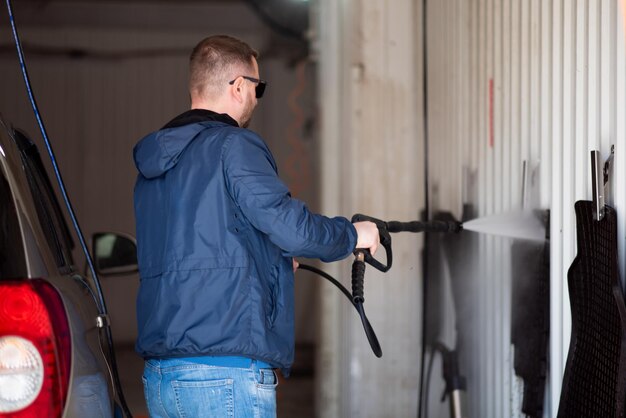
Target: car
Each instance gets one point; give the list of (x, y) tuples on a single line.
[(56, 354)]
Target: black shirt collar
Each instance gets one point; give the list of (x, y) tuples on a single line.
[(199, 115)]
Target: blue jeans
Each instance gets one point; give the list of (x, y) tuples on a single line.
[(180, 388)]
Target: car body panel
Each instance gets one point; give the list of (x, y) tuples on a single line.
[(91, 390)]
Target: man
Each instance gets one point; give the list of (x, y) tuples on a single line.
[(216, 233)]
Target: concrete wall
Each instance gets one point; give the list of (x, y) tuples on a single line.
[(372, 151)]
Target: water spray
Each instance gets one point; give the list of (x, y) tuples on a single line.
[(519, 224)]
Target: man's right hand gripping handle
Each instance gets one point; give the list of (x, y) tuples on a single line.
[(367, 236)]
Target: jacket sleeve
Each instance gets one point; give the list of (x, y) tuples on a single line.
[(253, 182)]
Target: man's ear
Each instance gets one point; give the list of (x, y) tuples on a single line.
[(237, 89)]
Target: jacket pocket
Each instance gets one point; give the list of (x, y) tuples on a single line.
[(273, 296)]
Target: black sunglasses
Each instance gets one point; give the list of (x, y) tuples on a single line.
[(260, 84)]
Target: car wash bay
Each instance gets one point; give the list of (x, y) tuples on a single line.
[(499, 113)]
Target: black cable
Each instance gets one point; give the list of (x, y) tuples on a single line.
[(369, 331), (329, 278), (426, 202)]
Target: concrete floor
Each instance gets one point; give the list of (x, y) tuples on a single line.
[(294, 396)]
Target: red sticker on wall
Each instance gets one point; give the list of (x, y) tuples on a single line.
[(491, 113)]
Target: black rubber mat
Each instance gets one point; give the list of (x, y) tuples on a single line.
[(594, 383)]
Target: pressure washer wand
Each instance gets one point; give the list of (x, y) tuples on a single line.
[(385, 228), (362, 256), (429, 226)]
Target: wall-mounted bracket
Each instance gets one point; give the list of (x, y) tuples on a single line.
[(607, 165), (599, 178)]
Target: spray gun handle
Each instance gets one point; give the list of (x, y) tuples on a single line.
[(385, 241), (358, 276)]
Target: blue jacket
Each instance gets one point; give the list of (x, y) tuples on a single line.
[(216, 232)]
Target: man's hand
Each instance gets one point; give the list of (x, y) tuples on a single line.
[(367, 236), (295, 264)]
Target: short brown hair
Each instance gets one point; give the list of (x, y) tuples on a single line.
[(211, 62)]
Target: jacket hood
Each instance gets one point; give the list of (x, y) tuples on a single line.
[(160, 151)]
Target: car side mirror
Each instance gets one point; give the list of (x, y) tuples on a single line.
[(114, 253)]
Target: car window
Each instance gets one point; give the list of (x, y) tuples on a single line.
[(12, 259), (48, 210)]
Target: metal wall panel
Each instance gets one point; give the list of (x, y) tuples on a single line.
[(536, 81)]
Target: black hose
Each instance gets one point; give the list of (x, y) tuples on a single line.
[(367, 327), (369, 331), (329, 278)]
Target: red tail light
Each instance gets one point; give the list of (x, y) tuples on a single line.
[(35, 350)]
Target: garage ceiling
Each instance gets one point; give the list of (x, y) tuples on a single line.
[(287, 17)]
